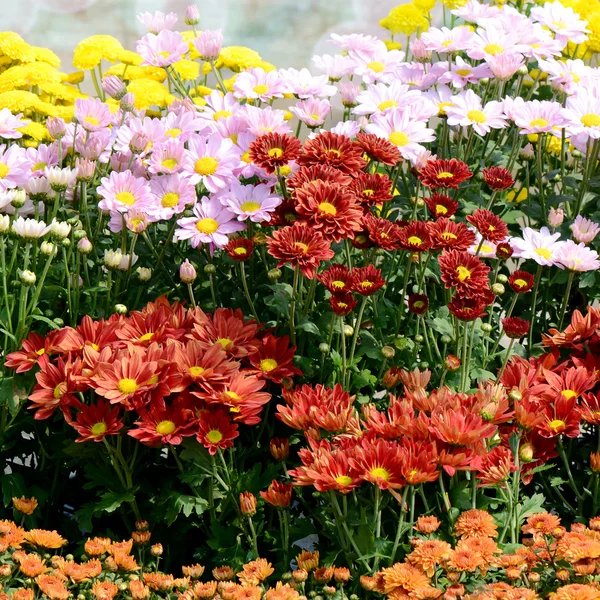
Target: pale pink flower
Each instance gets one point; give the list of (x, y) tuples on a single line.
[(167, 157), (192, 15), (349, 92), (444, 40), (211, 224), (441, 98), (217, 107), (121, 192), (335, 67), (254, 202), (356, 42), (474, 12), (246, 167), (584, 230), (208, 43), (504, 66), (419, 50), (182, 124), (136, 220), (162, 49), (349, 128), (563, 20), (540, 43), (14, 167), (566, 75), (211, 161), (95, 145), (312, 112), (468, 110), (421, 158), (154, 129), (487, 249), (536, 116), (582, 113), (264, 120), (114, 86), (170, 196), (158, 21), (462, 73), (305, 85), (419, 76), (230, 127), (9, 124), (41, 157), (490, 42), (540, 246), (256, 83), (379, 98), (379, 65), (556, 217), (576, 257)]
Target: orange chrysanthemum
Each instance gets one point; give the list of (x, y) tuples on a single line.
[(104, 590), (44, 538), (405, 577), (52, 587), (475, 523), (25, 505), (541, 523), (428, 554), (256, 571), (427, 524)]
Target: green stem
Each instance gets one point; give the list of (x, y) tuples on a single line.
[(566, 299)]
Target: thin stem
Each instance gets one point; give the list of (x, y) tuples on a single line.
[(246, 292), (566, 299), (400, 523)]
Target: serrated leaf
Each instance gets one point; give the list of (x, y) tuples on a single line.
[(442, 326), (308, 326)]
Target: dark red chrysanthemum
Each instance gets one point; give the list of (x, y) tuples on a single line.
[(379, 149), (515, 327), (504, 251), (498, 178), (372, 188), (382, 233), (520, 282), (490, 226), (343, 303), (301, 246), (415, 237), (95, 421), (285, 214), (466, 273), (335, 150), (467, 309), (273, 150), (442, 173), (362, 240), (440, 205), (239, 249), (336, 279), (216, 431), (366, 281), (418, 303), (316, 173), (274, 359), (329, 209), (445, 234)]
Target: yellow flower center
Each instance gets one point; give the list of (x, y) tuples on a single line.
[(232, 395), (477, 116), (146, 336), (520, 283), (338, 284), (98, 428), (241, 251), (250, 207), (368, 193), (125, 198), (268, 364), (419, 304), (4, 170), (334, 152), (387, 104), (39, 166), (224, 342), (207, 225), (539, 123), (60, 390), (170, 200), (376, 66), (442, 106), (445, 175), (246, 157), (556, 424), (301, 246), (166, 427), (380, 473), (196, 371), (463, 72), (463, 273), (221, 114), (261, 89), (328, 208), (543, 252), (169, 163), (285, 170), (214, 436), (590, 120), (569, 394), (446, 43), (164, 54), (343, 480), (153, 380), (415, 240), (493, 49), (447, 235), (41, 351), (398, 138), (559, 24), (275, 152), (92, 120), (486, 249), (206, 166), (440, 209), (173, 133), (127, 386), (366, 284)]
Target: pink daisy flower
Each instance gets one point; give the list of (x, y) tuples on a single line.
[(170, 196), (167, 157), (441, 98), (154, 129), (468, 110), (419, 76), (208, 43), (312, 112), (218, 107), (264, 120), (536, 116), (487, 249), (462, 73), (540, 246), (246, 167), (41, 157), (162, 49), (305, 85), (576, 257), (504, 66), (379, 98), (211, 224), (355, 42), (334, 66), (349, 128), (9, 124), (563, 20), (256, 83), (231, 128), (254, 202), (158, 21), (123, 191), (444, 40), (473, 12), (95, 145), (182, 124), (492, 41), (14, 167), (539, 42), (211, 161), (584, 230), (566, 75), (377, 65), (582, 113), (92, 114)]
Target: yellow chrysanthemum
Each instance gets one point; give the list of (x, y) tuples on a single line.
[(406, 19), (15, 47), (36, 131), (238, 58), (188, 35), (199, 101), (452, 4), (59, 91), (148, 92), (201, 90), (207, 68), (46, 55), (553, 145), (593, 22), (187, 69), (92, 50), (19, 101), (391, 45), (424, 5), (5, 61), (41, 72), (265, 66), (86, 58), (74, 78), (129, 57), (229, 83), (130, 73)]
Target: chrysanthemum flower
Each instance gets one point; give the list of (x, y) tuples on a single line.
[(427, 524), (25, 506), (170, 196), (336, 279), (382, 232), (274, 359), (312, 111), (497, 178), (562, 20), (541, 523), (92, 114), (490, 226), (239, 249), (162, 49), (541, 246), (535, 116), (446, 40), (444, 173), (445, 234), (167, 157), (208, 43), (378, 148), (14, 167), (366, 281), (584, 230), (380, 463), (520, 282), (415, 237), (317, 173), (256, 571), (95, 421), (379, 97), (256, 83), (123, 191), (467, 109), (467, 309), (496, 467), (576, 257), (418, 303), (211, 161), (216, 431), (10, 124), (378, 64), (462, 73), (273, 151), (440, 205), (372, 189), (44, 538), (342, 303), (334, 150), (254, 202), (515, 327), (466, 273), (403, 578), (475, 523), (278, 494)]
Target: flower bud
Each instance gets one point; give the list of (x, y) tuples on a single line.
[(248, 504), (388, 352), (144, 273), (595, 461), (349, 92), (114, 86), (329, 590), (187, 272), (78, 233), (533, 577), (47, 248), (28, 278), (487, 327), (156, 550), (192, 15), (274, 274), (300, 575), (419, 50), (59, 229), (18, 198), (84, 246), (424, 365), (142, 525), (279, 448), (112, 258), (65, 243), (526, 452), (4, 223), (515, 395), (5, 570), (502, 278), (56, 127), (348, 330), (210, 269), (522, 70), (498, 289), (419, 339), (576, 154), (140, 537), (391, 377), (452, 362), (446, 339), (85, 169), (556, 217), (127, 103), (139, 142), (563, 574), (120, 309), (323, 348)]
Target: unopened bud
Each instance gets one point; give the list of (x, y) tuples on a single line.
[(47, 248), (348, 330), (192, 15), (487, 327), (388, 352), (18, 199), (120, 309), (323, 348), (446, 339), (187, 272), (515, 395), (56, 127), (526, 453), (210, 269), (84, 246), (501, 278), (498, 289), (28, 278), (156, 550), (452, 362), (138, 143), (556, 217), (144, 273), (127, 103), (274, 274), (522, 70), (419, 339), (114, 87), (248, 504)]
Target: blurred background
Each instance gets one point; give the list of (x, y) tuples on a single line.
[(285, 32)]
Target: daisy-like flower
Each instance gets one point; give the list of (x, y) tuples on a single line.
[(467, 110), (563, 20), (475, 523), (466, 273), (372, 189), (482, 247), (304, 85), (216, 431), (405, 133), (356, 42), (211, 161), (584, 230), (153, 129), (576, 257), (256, 83), (94, 422), (378, 149), (29, 229), (274, 359), (445, 234), (208, 43), (535, 116), (254, 202), (264, 120), (218, 106), (521, 282), (162, 49), (366, 281), (442, 97), (566, 75), (92, 114), (379, 98), (342, 303), (121, 192), (336, 278), (418, 77), (446, 40), (167, 157), (41, 157), (418, 303), (497, 178), (492, 41), (490, 226), (462, 73), (312, 111), (336, 66), (158, 21), (515, 327), (14, 167), (274, 150), (442, 173), (378, 64), (540, 246), (583, 116), (440, 206), (163, 424), (473, 12), (334, 150), (170, 195), (467, 309), (9, 124), (211, 224), (278, 494), (301, 246)]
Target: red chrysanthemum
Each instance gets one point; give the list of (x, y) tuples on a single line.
[(336, 279), (520, 282), (418, 303), (362, 240), (274, 150), (274, 359), (335, 150), (515, 327), (278, 494), (379, 149), (415, 237), (466, 273), (443, 173), (94, 422), (467, 309), (440, 205), (490, 226), (240, 248), (367, 281), (447, 235), (504, 251), (379, 462), (498, 178), (215, 430), (301, 246), (319, 172), (459, 426), (284, 214), (372, 188), (383, 233), (343, 303), (329, 209)]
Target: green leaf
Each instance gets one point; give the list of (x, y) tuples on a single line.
[(531, 506), (460, 495), (556, 481), (278, 303), (48, 322), (442, 326), (308, 326), (481, 374)]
